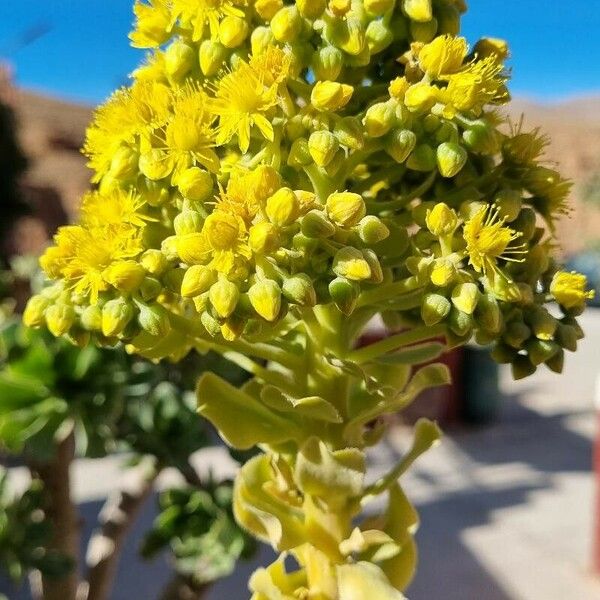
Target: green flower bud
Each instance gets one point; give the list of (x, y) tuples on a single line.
[(116, 315), (443, 272), (260, 39), (327, 63), (350, 263), (344, 294), (124, 163), (91, 318), (212, 326), (150, 288), (566, 336), (542, 322), (349, 133), (556, 362), (522, 367), (418, 10), (33, 315), (459, 322), (173, 279), (502, 354), (451, 158), (374, 265), (283, 207), (154, 262), (180, 59), (213, 56), (263, 238), (539, 351), (299, 155), (224, 296), (372, 230), (188, 221), (125, 275), (155, 193), (465, 297), (423, 159), (311, 9), (286, 25), (488, 314), (265, 297), (435, 308), (378, 7), (349, 35), (424, 32), (441, 220), (481, 138), (345, 208), (197, 280), (378, 34), (509, 203), (314, 224), (525, 223), (322, 146), (154, 319), (299, 290), (516, 334), (60, 318), (195, 184), (233, 31), (448, 19), (400, 143), (491, 47), (380, 118)]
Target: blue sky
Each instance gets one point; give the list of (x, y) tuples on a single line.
[(86, 53)]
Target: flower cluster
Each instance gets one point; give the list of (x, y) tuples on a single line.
[(276, 175)]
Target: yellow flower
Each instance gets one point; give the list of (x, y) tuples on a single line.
[(488, 240), (116, 207), (128, 114), (442, 56), (198, 13), (80, 255), (153, 23), (480, 83), (242, 99), (568, 289), (272, 66)]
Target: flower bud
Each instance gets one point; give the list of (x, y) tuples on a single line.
[(379, 36), (486, 47), (299, 290), (424, 32), (443, 272), (448, 18), (267, 9), (522, 367), (212, 326), (516, 334), (345, 208), (539, 351), (232, 31), (556, 362), (378, 7), (33, 315), (372, 230), (91, 318), (350, 263), (116, 315), (339, 7), (566, 336), (501, 353), (286, 24), (422, 158), (150, 288), (311, 9), (299, 155), (180, 59), (173, 279), (283, 208), (435, 308), (260, 39), (197, 280), (125, 275), (153, 261), (232, 328), (488, 314), (542, 322), (374, 265), (195, 184), (441, 220), (459, 322), (349, 35), (154, 319), (322, 146), (224, 296), (481, 138), (314, 224), (213, 56), (188, 221), (379, 119), (330, 95), (344, 293), (191, 248), (349, 133), (400, 143), (154, 165), (465, 297), (420, 97), (526, 224), (569, 289), (509, 203), (451, 158), (263, 238), (327, 63), (124, 163), (265, 297), (418, 10)]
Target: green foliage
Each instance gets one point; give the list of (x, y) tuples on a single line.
[(24, 533), (199, 528)]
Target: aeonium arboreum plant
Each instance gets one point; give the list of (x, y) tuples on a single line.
[(276, 176)]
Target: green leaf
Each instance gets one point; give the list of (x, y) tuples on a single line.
[(17, 391), (313, 407), (242, 421), (414, 355), (365, 580)]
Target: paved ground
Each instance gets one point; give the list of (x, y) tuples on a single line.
[(506, 509)]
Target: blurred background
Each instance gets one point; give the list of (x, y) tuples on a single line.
[(508, 501)]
